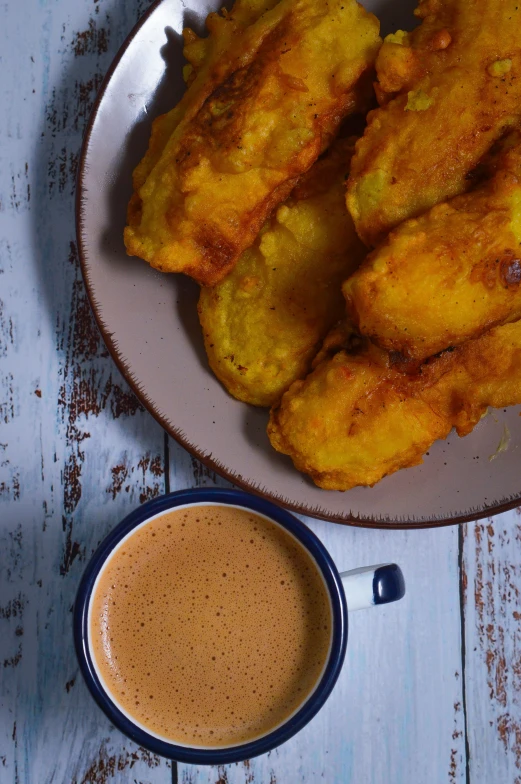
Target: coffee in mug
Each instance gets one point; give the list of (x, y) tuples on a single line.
[(210, 625)]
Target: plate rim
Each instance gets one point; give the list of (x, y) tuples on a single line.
[(148, 404)]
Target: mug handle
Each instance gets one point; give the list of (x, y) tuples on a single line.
[(368, 586)]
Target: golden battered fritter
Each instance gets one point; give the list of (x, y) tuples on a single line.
[(449, 275), (266, 111), (355, 418), (206, 63), (448, 90), (263, 324)]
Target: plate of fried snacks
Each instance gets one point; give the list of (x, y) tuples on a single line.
[(300, 230)]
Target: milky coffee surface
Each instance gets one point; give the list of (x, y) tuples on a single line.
[(210, 625)]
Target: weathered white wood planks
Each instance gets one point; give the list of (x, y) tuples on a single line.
[(77, 452), (492, 628)]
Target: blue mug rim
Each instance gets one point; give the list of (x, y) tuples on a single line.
[(229, 754)]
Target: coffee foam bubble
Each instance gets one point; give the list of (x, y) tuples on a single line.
[(210, 625)]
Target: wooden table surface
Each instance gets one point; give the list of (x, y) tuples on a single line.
[(431, 689)]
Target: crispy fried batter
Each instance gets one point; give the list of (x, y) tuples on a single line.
[(356, 419), (252, 122), (449, 89), (449, 275), (224, 29), (207, 64), (262, 325)]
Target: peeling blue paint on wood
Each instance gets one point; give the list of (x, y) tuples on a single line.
[(77, 452)]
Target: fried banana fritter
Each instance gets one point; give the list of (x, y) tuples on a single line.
[(449, 89), (449, 275), (263, 324), (206, 64), (355, 418), (241, 145)]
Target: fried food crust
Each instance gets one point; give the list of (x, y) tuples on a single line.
[(263, 324), (449, 275), (206, 66), (244, 140), (355, 418), (448, 90)]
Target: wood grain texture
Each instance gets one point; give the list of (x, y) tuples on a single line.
[(492, 614), (77, 451)]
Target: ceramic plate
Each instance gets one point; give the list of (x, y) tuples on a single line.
[(150, 324)]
